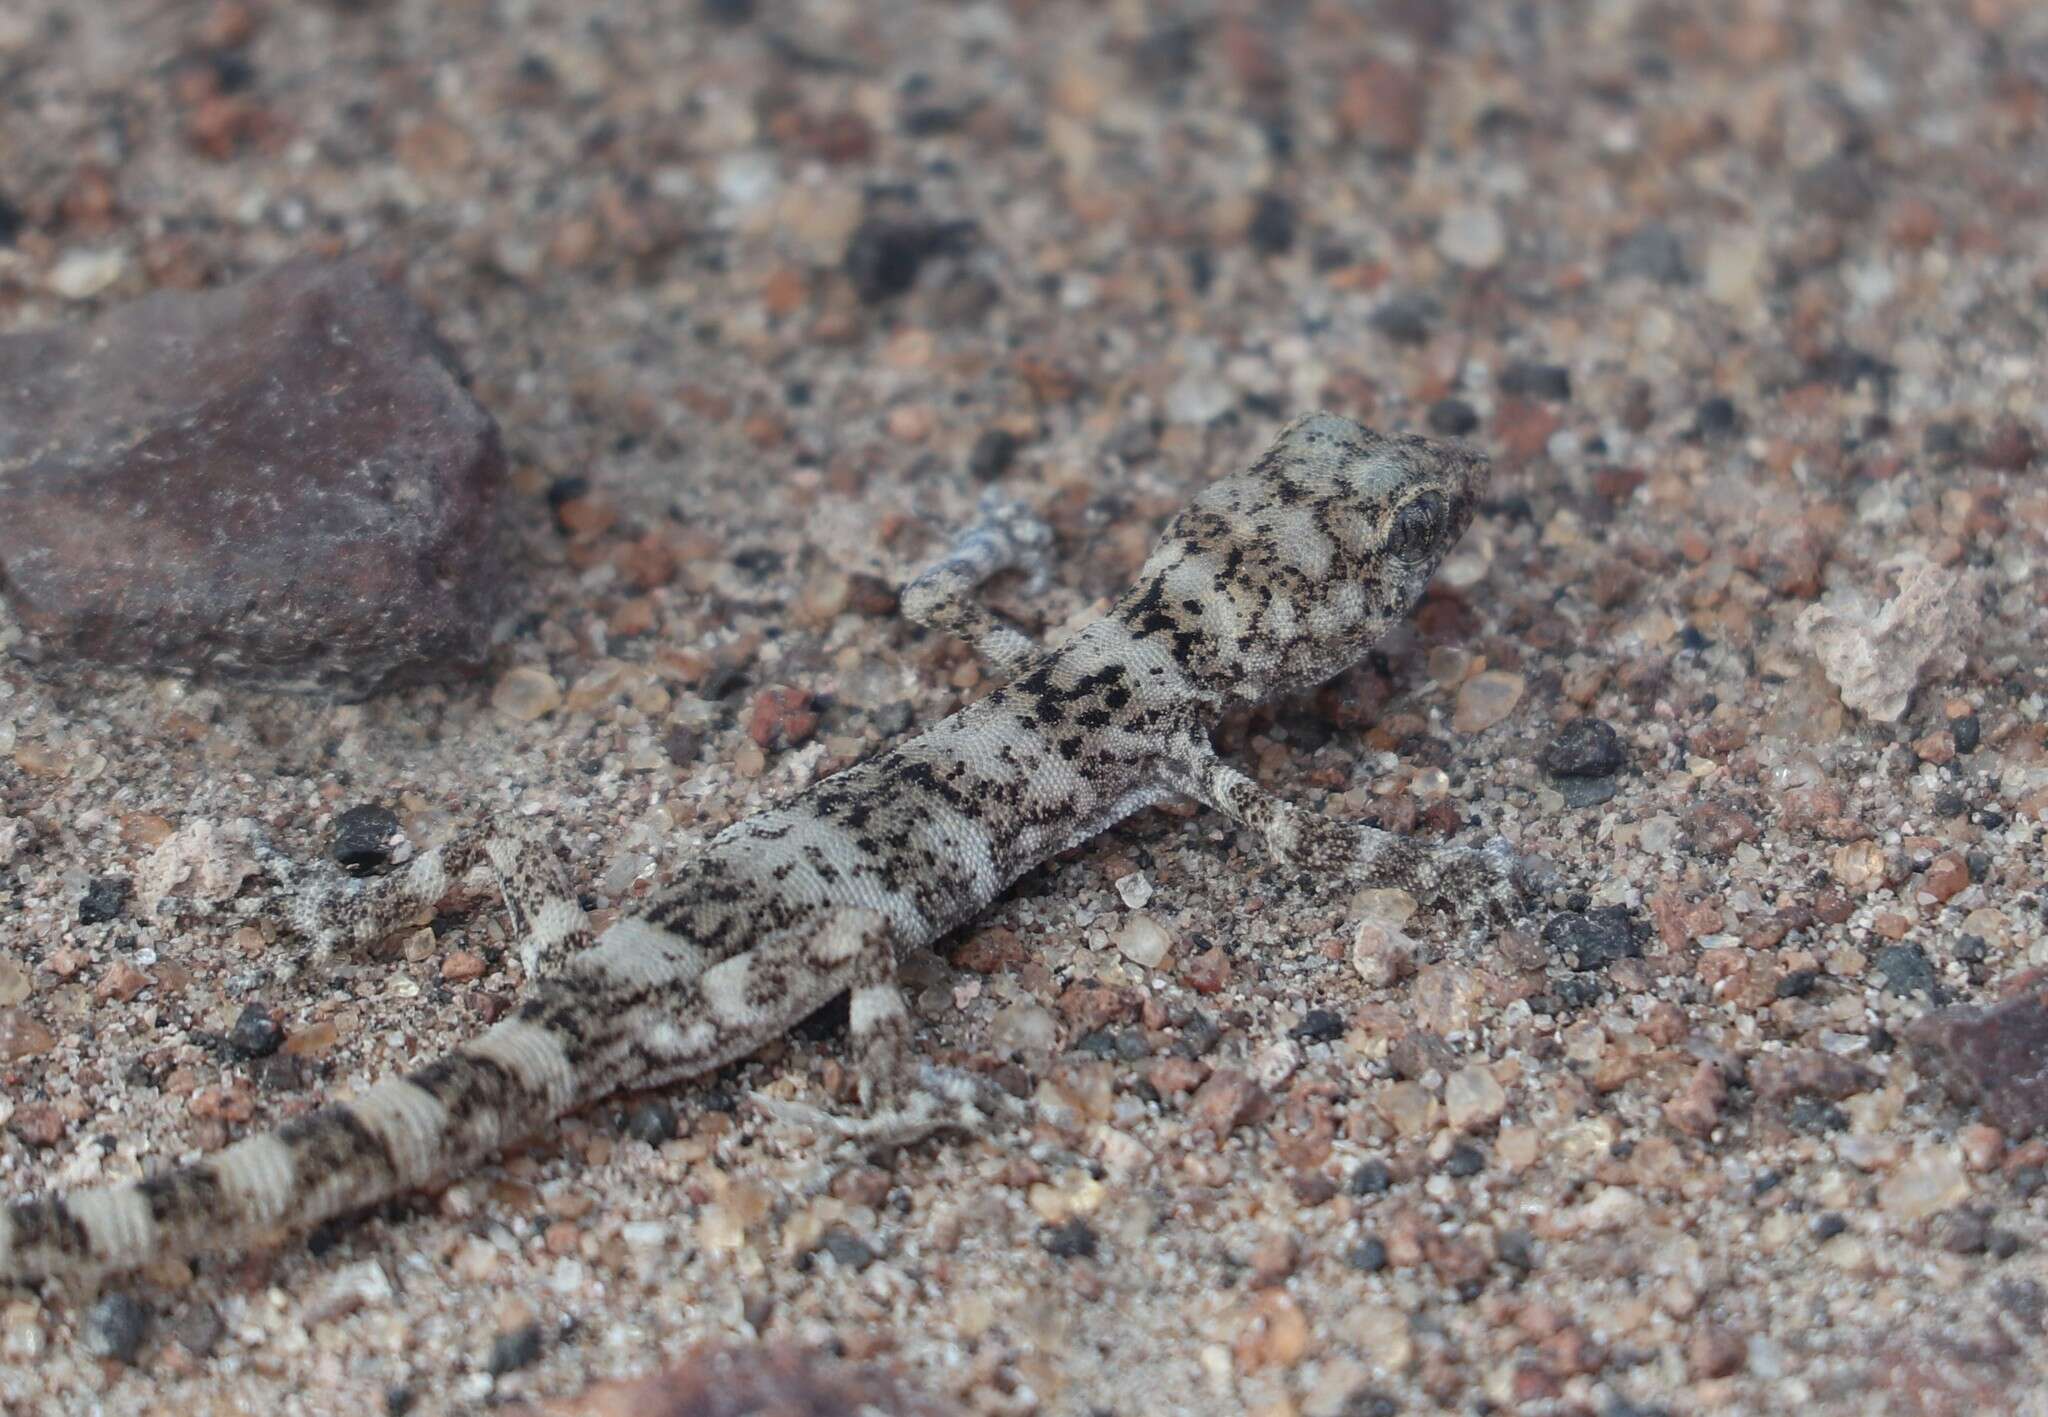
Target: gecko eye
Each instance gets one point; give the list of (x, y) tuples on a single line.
[(1416, 526)]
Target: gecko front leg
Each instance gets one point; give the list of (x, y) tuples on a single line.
[(1471, 882), (1008, 537)]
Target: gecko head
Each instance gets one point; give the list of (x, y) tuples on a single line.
[(1287, 573)]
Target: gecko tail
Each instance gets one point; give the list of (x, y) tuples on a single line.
[(402, 1134)]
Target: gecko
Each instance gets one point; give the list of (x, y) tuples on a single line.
[(1268, 582)]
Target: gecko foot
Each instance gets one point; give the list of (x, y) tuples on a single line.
[(943, 1098), (1479, 885)]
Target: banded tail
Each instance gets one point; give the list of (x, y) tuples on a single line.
[(403, 1133)]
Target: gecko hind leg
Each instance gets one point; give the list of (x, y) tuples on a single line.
[(902, 1101), (1473, 883), (944, 597)]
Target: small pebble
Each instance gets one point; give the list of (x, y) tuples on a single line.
[(1585, 747), (364, 836), (1406, 319), (652, 1122), (255, 1034), (1464, 1160), (1318, 1026), (1906, 969), (1370, 1178), (526, 693), (511, 1351), (1717, 418), (847, 1248), (115, 1328), (103, 900), (1272, 226), (1452, 418), (1536, 381), (1592, 939), (1144, 941), (992, 454), (1472, 236), (1485, 699), (1070, 1239), (1652, 251), (1368, 1255)]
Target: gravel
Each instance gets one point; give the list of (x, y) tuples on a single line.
[(716, 287)]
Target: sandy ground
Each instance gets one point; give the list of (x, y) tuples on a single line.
[(1747, 302)]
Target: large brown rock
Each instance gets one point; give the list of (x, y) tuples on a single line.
[(283, 483)]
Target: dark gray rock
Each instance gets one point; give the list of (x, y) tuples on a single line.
[(283, 483)]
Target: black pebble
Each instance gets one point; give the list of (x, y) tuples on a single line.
[(1452, 418), (1272, 227), (1465, 1160), (1717, 418), (1950, 803), (1318, 1026), (1967, 731), (652, 1122), (1404, 319), (255, 1034), (992, 454), (728, 12), (1070, 1239), (1585, 747), (1594, 939), (1372, 1178), (398, 1400), (363, 837), (1829, 1226), (1797, 984), (884, 257), (1369, 1255), (102, 900), (849, 1249), (515, 1350), (1552, 382), (1906, 970), (11, 222), (115, 1327)]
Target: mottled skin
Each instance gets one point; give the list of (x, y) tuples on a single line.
[(1269, 581)]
